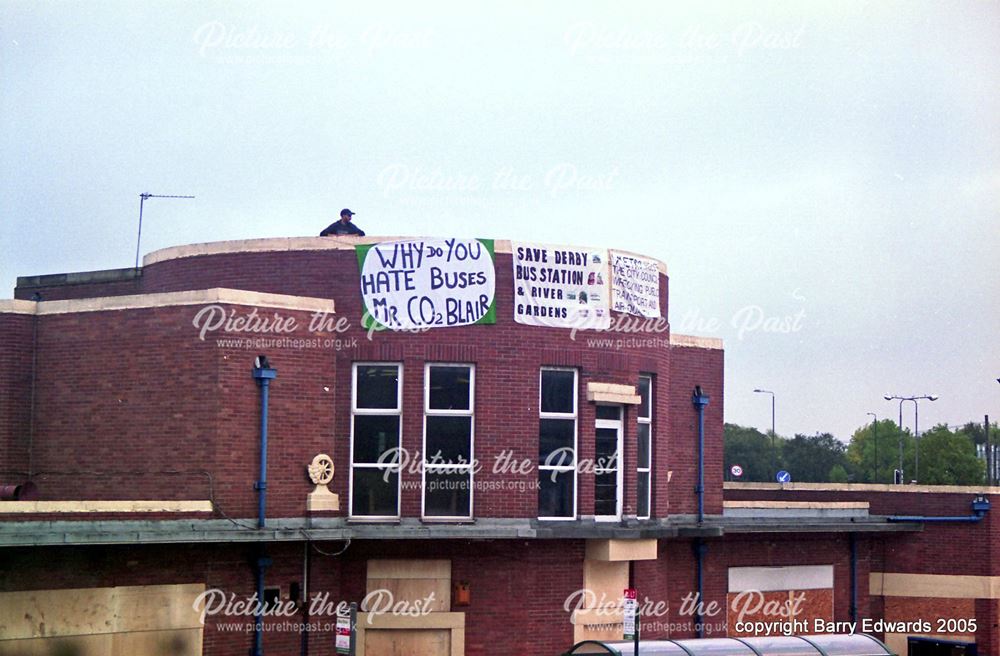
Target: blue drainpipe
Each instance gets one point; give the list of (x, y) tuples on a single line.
[(700, 400), (263, 374), (980, 506)]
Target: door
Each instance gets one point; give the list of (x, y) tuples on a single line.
[(608, 463)]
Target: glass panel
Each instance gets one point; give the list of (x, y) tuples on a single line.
[(643, 502), (613, 412), (377, 386), (374, 435), (606, 494), (718, 647), (555, 493), (645, 406), (449, 440), (447, 494), (642, 431), (558, 391), (374, 492), (555, 441), (782, 646), (848, 645), (606, 451), (449, 388)]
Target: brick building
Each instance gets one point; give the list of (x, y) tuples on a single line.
[(455, 458)]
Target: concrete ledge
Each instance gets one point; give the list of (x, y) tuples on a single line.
[(198, 297), (693, 341), (312, 244), (801, 505), (38, 507), (934, 586), (17, 306), (612, 393), (79, 278), (862, 487), (621, 550)]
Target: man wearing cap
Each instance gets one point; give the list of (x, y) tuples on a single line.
[(344, 226)]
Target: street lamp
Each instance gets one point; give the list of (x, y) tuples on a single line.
[(875, 432), (916, 427), (774, 460)]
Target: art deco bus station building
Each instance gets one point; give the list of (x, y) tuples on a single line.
[(152, 464)]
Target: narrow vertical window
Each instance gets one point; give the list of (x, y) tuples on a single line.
[(449, 401), (375, 429), (557, 433), (644, 433)]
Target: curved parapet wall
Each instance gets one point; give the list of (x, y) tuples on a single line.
[(176, 351)]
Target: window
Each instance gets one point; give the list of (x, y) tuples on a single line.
[(449, 393), (557, 444), (375, 429), (644, 433)]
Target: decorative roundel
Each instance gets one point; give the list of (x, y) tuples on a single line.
[(321, 469)]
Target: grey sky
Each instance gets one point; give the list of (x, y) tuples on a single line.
[(830, 169)]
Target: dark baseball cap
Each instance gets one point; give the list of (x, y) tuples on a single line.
[(347, 212)]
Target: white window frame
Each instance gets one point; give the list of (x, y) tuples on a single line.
[(397, 411), (576, 431), (617, 425), (471, 413), (648, 421)]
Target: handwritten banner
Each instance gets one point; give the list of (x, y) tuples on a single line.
[(427, 283), (561, 287), (635, 285)]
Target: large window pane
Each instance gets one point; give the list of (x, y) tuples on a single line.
[(375, 492), (555, 441), (377, 386), (606, 494), (558, 391), (643, 510), (555, 493), (448, 494), (643, 436), (449, 440), (450, 388), (374, 437), (645, 406)]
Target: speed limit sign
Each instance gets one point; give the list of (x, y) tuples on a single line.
[(736, 471)]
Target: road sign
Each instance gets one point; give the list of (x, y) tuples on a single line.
[(630, 606), (736, 471), (783, 477)]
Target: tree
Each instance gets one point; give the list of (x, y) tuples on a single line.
[(811, 458), (949, 458), (861, 452), (751, 450)]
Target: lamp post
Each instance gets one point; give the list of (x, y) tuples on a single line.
[(774, 460), (916, 427), (875, 432)]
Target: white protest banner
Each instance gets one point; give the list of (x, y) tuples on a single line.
[(635, 285), (561, 287), (427, 283)]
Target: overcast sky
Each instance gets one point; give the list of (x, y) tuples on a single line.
[(822, 179)]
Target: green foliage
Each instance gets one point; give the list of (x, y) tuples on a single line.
[(949, 458), (751, 450), (838, 474), (945, 457), (887, 439), (811, 458)]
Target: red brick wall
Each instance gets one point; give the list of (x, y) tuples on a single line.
[(690, 367), (131, 404), (15, 396), (940, 548), (518, 589)]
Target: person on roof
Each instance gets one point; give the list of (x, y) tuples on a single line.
[(343, 226)]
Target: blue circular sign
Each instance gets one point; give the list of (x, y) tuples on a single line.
[(783, 477)]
